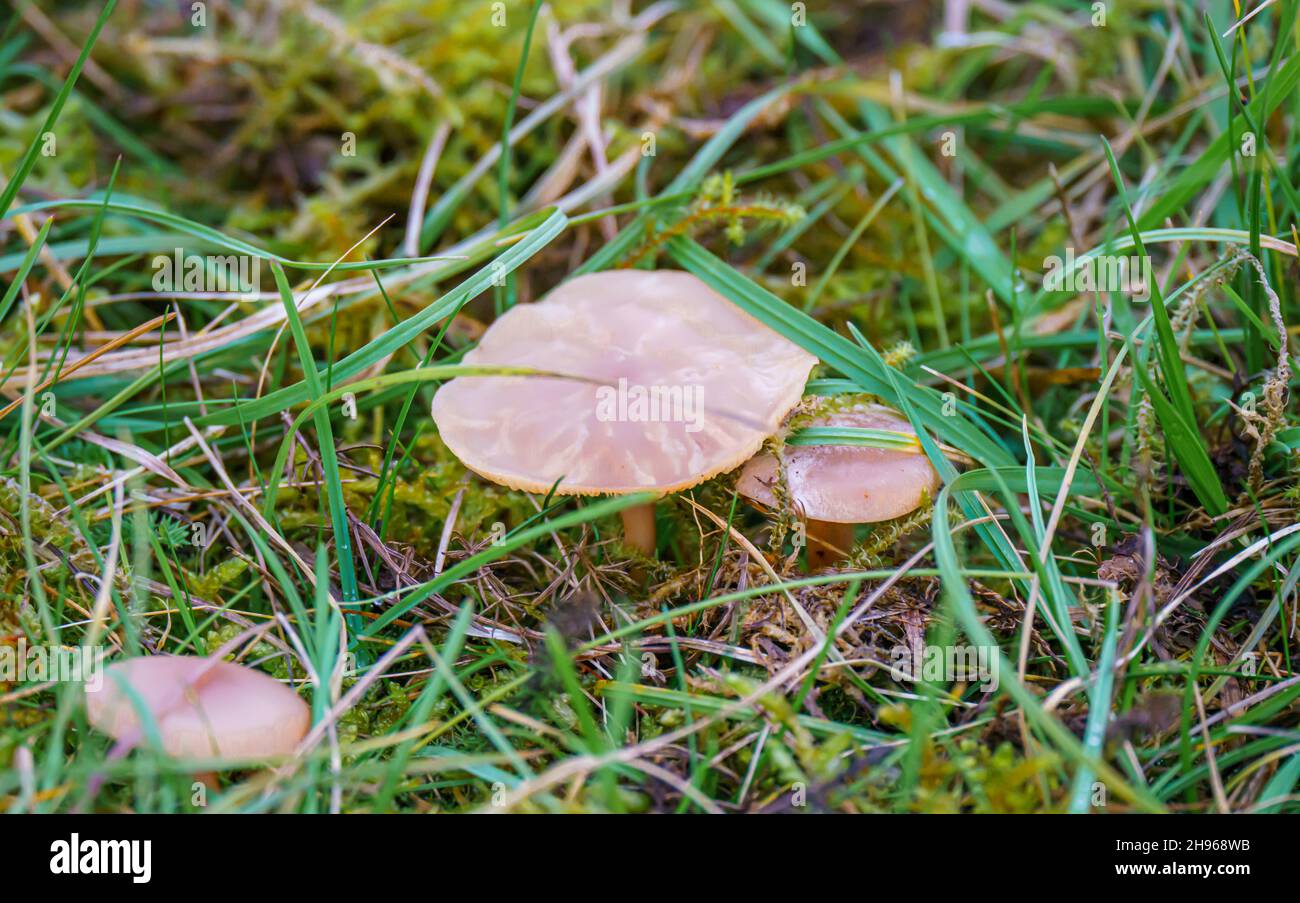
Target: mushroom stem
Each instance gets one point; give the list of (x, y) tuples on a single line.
[(828, 543), (639, 528)]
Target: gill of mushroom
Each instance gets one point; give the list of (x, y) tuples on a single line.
[(202, 708), (684, 386), (835, 487)]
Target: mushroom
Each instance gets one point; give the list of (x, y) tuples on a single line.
[(833, 487), (203, 708), (684, 386)]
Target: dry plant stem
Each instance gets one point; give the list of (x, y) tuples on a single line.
[(828, 543), (639, 528)]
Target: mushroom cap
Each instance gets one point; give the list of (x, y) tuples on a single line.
[(712, 383), (202, 709), (847, 484)]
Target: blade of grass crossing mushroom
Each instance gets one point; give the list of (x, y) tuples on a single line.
[(325, 446), (833, 349), (28, 161), (1006, 481), (402, 377), (1046, 572), (853, 435), (991, 533), (401, 335)]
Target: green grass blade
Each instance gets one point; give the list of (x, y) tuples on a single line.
[(325, 446)]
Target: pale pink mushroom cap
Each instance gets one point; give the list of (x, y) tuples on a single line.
[(848, 484), (665, 330), (227, 711)]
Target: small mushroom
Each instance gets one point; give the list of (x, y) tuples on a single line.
[(833, 487), (203, 708), (686, 386)]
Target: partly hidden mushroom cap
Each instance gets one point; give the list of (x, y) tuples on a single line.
[(847, 484), (202, 709), (690, 386)]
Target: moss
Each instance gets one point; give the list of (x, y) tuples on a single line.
[(221, 574)]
